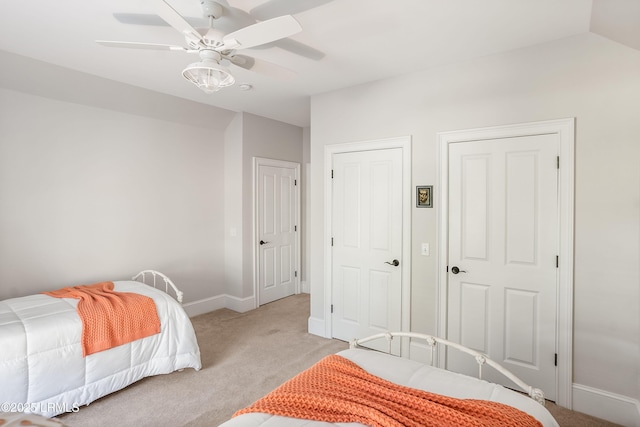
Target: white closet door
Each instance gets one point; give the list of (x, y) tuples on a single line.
[(503, 243), (367, 238)]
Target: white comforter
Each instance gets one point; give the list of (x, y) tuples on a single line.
[(412, 374), (42, 370)]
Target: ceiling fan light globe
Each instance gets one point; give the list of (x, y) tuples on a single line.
[(209, 76)]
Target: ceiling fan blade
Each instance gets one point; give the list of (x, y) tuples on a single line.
[(136, 45), (273, 8), (262, 32), (155, 20), (262, 67), (173, 18)]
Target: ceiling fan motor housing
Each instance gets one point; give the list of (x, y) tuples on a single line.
[(211, 8)]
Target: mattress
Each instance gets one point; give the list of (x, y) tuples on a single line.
[(416, 375), (42, 370)]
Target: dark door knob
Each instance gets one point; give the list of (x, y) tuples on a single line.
[(395, 262), (456, 270), (262, 242)]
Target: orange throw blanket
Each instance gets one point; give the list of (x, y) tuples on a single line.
[(109, 318), (337, 390)]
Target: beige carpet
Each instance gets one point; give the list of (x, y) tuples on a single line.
[(243, 356)]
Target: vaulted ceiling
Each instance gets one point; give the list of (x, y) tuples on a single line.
[(343, 42)]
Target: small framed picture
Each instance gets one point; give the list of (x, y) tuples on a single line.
[(424, 196)]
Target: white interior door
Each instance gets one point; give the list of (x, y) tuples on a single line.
[(277, 231), (367, 226), (502, 260)]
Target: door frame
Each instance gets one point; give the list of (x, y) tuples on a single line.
[(565, 129), (403, 142), (263, 161)]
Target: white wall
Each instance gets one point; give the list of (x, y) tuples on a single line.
[(233, 226), (90, 194), (587, 77)]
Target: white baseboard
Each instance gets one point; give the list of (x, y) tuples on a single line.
[(316, 327), (206, 305), (609, 406), (240, 305)]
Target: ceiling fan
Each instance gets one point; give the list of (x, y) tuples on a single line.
[(234, 18), (214, 46)]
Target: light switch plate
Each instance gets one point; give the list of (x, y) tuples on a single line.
[(425, 249)]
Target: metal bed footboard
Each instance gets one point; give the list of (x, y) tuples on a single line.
[(481, 359)]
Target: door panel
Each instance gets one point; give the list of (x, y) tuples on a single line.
[(268, 268), (367, 237), (521, 224), (521, 343), (474, 209), (349, 295), (503, 234), (380, 283), (474, 316)]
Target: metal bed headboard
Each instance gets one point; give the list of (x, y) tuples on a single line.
[(153, 275)]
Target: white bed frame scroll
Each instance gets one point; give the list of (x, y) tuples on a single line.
[(152, 275), (481, 359)]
